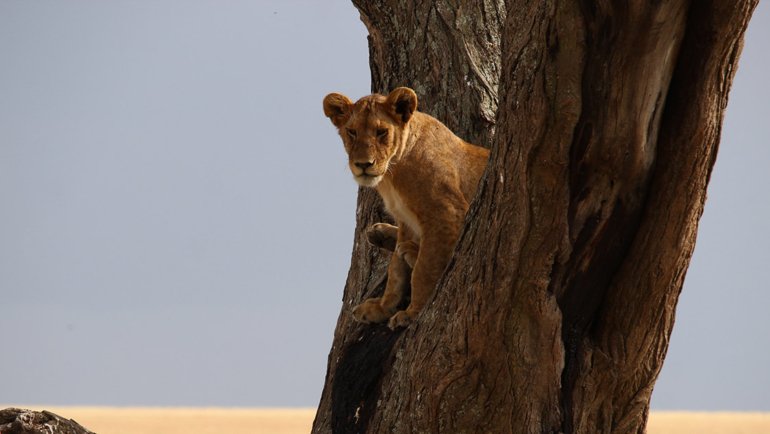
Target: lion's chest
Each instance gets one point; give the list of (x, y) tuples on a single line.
[(397, 207)]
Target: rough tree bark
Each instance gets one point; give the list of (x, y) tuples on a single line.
[(555, 312)]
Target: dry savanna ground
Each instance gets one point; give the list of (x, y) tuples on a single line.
[(107, 420)]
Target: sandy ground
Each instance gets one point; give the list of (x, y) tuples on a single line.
[(665, 422), (107, 420)]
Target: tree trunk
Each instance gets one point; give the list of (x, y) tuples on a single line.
[(555, 313)]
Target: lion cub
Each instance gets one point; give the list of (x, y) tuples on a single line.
[(426, 176)]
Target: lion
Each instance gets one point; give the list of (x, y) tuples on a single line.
[(426, 177)]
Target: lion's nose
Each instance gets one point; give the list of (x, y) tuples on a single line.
[(365, 165)]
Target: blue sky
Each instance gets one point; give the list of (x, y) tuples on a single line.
[(177, 215)]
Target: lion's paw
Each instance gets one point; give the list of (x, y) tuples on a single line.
[(400, 319), (370, 311), (408, 251), (382, 235)]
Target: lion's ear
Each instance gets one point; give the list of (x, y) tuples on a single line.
[(337, 107), (402, 102)]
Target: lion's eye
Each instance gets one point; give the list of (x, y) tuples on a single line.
[(382, 133), (351, 133)]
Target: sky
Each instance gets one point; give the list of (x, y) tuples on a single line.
[(176, 213)]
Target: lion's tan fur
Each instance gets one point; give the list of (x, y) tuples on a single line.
[(426, 177)]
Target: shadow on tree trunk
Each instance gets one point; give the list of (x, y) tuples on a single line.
[(359, 374)]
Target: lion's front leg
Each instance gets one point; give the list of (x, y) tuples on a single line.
[(408, 250), (435, 250), (385, 236), (379, 309)]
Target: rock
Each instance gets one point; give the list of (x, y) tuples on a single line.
[(20, 421)]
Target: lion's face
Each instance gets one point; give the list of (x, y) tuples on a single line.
[(370, 141), (372, 130)]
